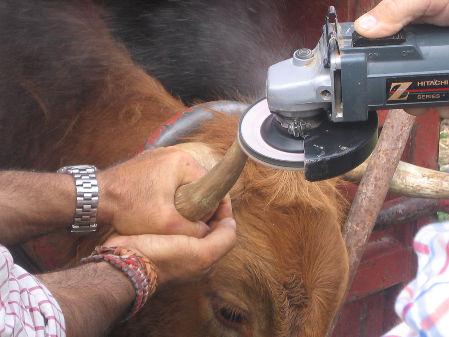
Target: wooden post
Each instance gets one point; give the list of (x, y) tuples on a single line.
[(373, 188)]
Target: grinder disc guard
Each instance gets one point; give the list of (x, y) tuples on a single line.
[(324, 152)]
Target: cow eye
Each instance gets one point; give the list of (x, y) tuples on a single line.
[(229, 315)]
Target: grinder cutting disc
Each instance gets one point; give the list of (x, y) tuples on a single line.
[(324, 152)]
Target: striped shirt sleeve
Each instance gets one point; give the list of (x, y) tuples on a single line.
[(27, 308), (423, 305)]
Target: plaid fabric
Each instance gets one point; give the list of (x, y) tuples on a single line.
[(26, 306), (423, 305)]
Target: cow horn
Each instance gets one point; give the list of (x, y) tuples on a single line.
[(411, 180), (198, 200)]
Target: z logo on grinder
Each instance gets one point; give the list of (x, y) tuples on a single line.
[(418, 89), (398, 91)]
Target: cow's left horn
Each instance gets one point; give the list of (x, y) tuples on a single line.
[(198, 200), (411, 180)]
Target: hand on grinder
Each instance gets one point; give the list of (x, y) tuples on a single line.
[(390, 16)]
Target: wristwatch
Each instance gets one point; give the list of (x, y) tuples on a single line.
[(86, 185)]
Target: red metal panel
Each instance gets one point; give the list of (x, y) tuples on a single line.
[(372, 320), (363, 318), (390, 317), (387, 262), (349, 321), (425, 141)]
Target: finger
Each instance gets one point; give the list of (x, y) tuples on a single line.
[(224, 209), (179, 257), (390, 16), (171, 254), (219, 241), (178, 225), (154, 247), (119, 241)]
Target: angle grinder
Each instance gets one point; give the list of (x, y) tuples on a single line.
[(319, 114)]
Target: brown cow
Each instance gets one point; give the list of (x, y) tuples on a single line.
[(287, 273), (71, 94)]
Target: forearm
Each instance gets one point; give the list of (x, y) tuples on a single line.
[(92, 297), (32, 204)]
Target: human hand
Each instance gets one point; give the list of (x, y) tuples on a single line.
[(390, 16), (179, 257), (137, 196)]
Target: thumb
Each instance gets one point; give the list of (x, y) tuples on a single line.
[(389, 17)]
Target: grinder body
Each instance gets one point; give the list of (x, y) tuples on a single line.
[(411, 72), (409, 69), (325, 98)]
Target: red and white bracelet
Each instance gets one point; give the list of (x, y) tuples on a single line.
[(140, 271)]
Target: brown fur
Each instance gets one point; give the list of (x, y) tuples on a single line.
[(288, 271)]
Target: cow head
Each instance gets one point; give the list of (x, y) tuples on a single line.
[(287, 273)]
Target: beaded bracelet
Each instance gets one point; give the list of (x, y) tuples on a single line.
[(140, 271)]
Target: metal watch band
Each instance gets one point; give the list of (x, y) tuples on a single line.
[(85, 218)]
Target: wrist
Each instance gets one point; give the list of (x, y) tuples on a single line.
[(107, 199), (92, 297), (123, 289), (63, 208), (139, 270)]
